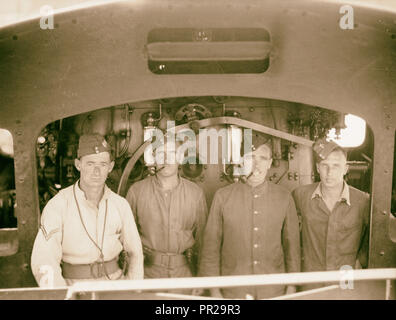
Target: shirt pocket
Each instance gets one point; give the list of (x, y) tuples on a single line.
[(349, 238), (350, 220)]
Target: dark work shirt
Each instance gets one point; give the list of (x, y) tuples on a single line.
[(169, 221), (333, 239), (251, 231)]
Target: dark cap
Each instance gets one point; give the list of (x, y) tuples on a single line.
[(323, 148), (91, 144), (258, 139)]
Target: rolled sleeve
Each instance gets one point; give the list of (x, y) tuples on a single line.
[(47, 249)]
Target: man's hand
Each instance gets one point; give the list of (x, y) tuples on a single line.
[(291, 289), (216, 293)]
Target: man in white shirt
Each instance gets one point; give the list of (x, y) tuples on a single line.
[(86, 226)]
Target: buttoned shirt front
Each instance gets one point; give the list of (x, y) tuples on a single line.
[(332, 239), (62, 236), (251, 231)]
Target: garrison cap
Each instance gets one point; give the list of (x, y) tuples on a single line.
[(323, 148), (258, 139), (91, 144)]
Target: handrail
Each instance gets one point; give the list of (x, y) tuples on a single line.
[(218, 282), (232, 281)]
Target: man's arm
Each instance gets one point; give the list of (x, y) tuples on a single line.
[(47, 248), (291, 242), (363, 252), (291, 239), (201, 217), (132, 244), (132, 200), (211, 243), (296, 198)]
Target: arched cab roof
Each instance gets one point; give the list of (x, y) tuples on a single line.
[(96, 56)]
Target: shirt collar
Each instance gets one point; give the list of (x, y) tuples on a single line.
[(157, 182), (262, 187), (344, 195), (81, 194)]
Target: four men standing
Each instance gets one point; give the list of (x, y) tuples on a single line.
[(252, 228)]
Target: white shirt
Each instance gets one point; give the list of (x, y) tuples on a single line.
[(62, 236)]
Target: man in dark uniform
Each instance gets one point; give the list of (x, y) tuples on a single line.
[(252, 229), (170, 212), (335, 216)]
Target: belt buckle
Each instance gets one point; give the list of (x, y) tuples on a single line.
[(99, 269), (165, 260), (173, 260), (170, 260)]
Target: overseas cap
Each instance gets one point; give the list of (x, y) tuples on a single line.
[(258, 139), (323, 148), (91, 144)]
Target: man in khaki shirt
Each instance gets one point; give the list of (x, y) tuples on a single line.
[(86, 226), (335, 216), (170, 213)]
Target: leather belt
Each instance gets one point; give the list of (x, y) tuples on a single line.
[(169, 260), (89, 271)]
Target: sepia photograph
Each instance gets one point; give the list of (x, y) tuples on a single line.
[(208, 151)]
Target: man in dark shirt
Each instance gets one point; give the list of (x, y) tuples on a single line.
[(252, 229), (335, 216), (170, 212)]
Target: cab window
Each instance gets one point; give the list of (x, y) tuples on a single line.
[(8, 219)]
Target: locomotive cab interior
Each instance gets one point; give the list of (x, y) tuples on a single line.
[(124, 126)]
